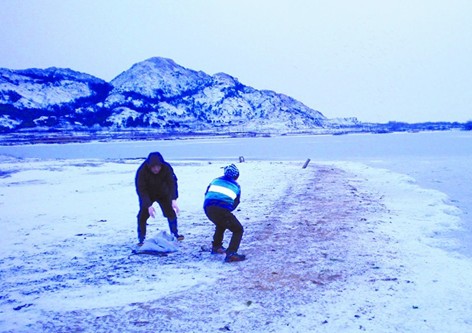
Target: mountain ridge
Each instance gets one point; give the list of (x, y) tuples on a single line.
[(156, 95)]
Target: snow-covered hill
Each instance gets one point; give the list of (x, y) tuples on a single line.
[(49, 98), (161, 97), (156, 93), (43, 89), (159, 93)]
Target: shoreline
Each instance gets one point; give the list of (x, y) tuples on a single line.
[(66, 136), (448, 176)]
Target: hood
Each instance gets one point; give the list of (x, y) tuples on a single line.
[(154, 159)]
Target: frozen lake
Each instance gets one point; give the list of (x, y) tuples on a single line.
[(357, 147), (437, 160)]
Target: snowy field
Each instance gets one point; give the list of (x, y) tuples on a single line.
[(336, 247)]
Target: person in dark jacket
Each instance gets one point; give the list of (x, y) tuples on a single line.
[(156, 182), (221, 199)]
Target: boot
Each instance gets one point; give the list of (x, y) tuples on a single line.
[(218, 250), (173, 229), (231, 257)]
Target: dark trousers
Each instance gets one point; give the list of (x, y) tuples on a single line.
[(167, 211), (223, 220)]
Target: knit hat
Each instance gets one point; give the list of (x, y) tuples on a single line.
[(231, 171)]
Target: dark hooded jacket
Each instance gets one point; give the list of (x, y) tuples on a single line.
[(152, 187)]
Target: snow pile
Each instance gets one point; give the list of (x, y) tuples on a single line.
[(335, 247)]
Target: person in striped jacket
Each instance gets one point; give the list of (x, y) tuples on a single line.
[(222, 197)]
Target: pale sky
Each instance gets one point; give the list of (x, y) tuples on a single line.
[(377, 60)]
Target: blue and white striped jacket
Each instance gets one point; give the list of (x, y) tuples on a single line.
[(223, 192)]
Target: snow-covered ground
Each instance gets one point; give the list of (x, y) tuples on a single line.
[(336, 247)]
